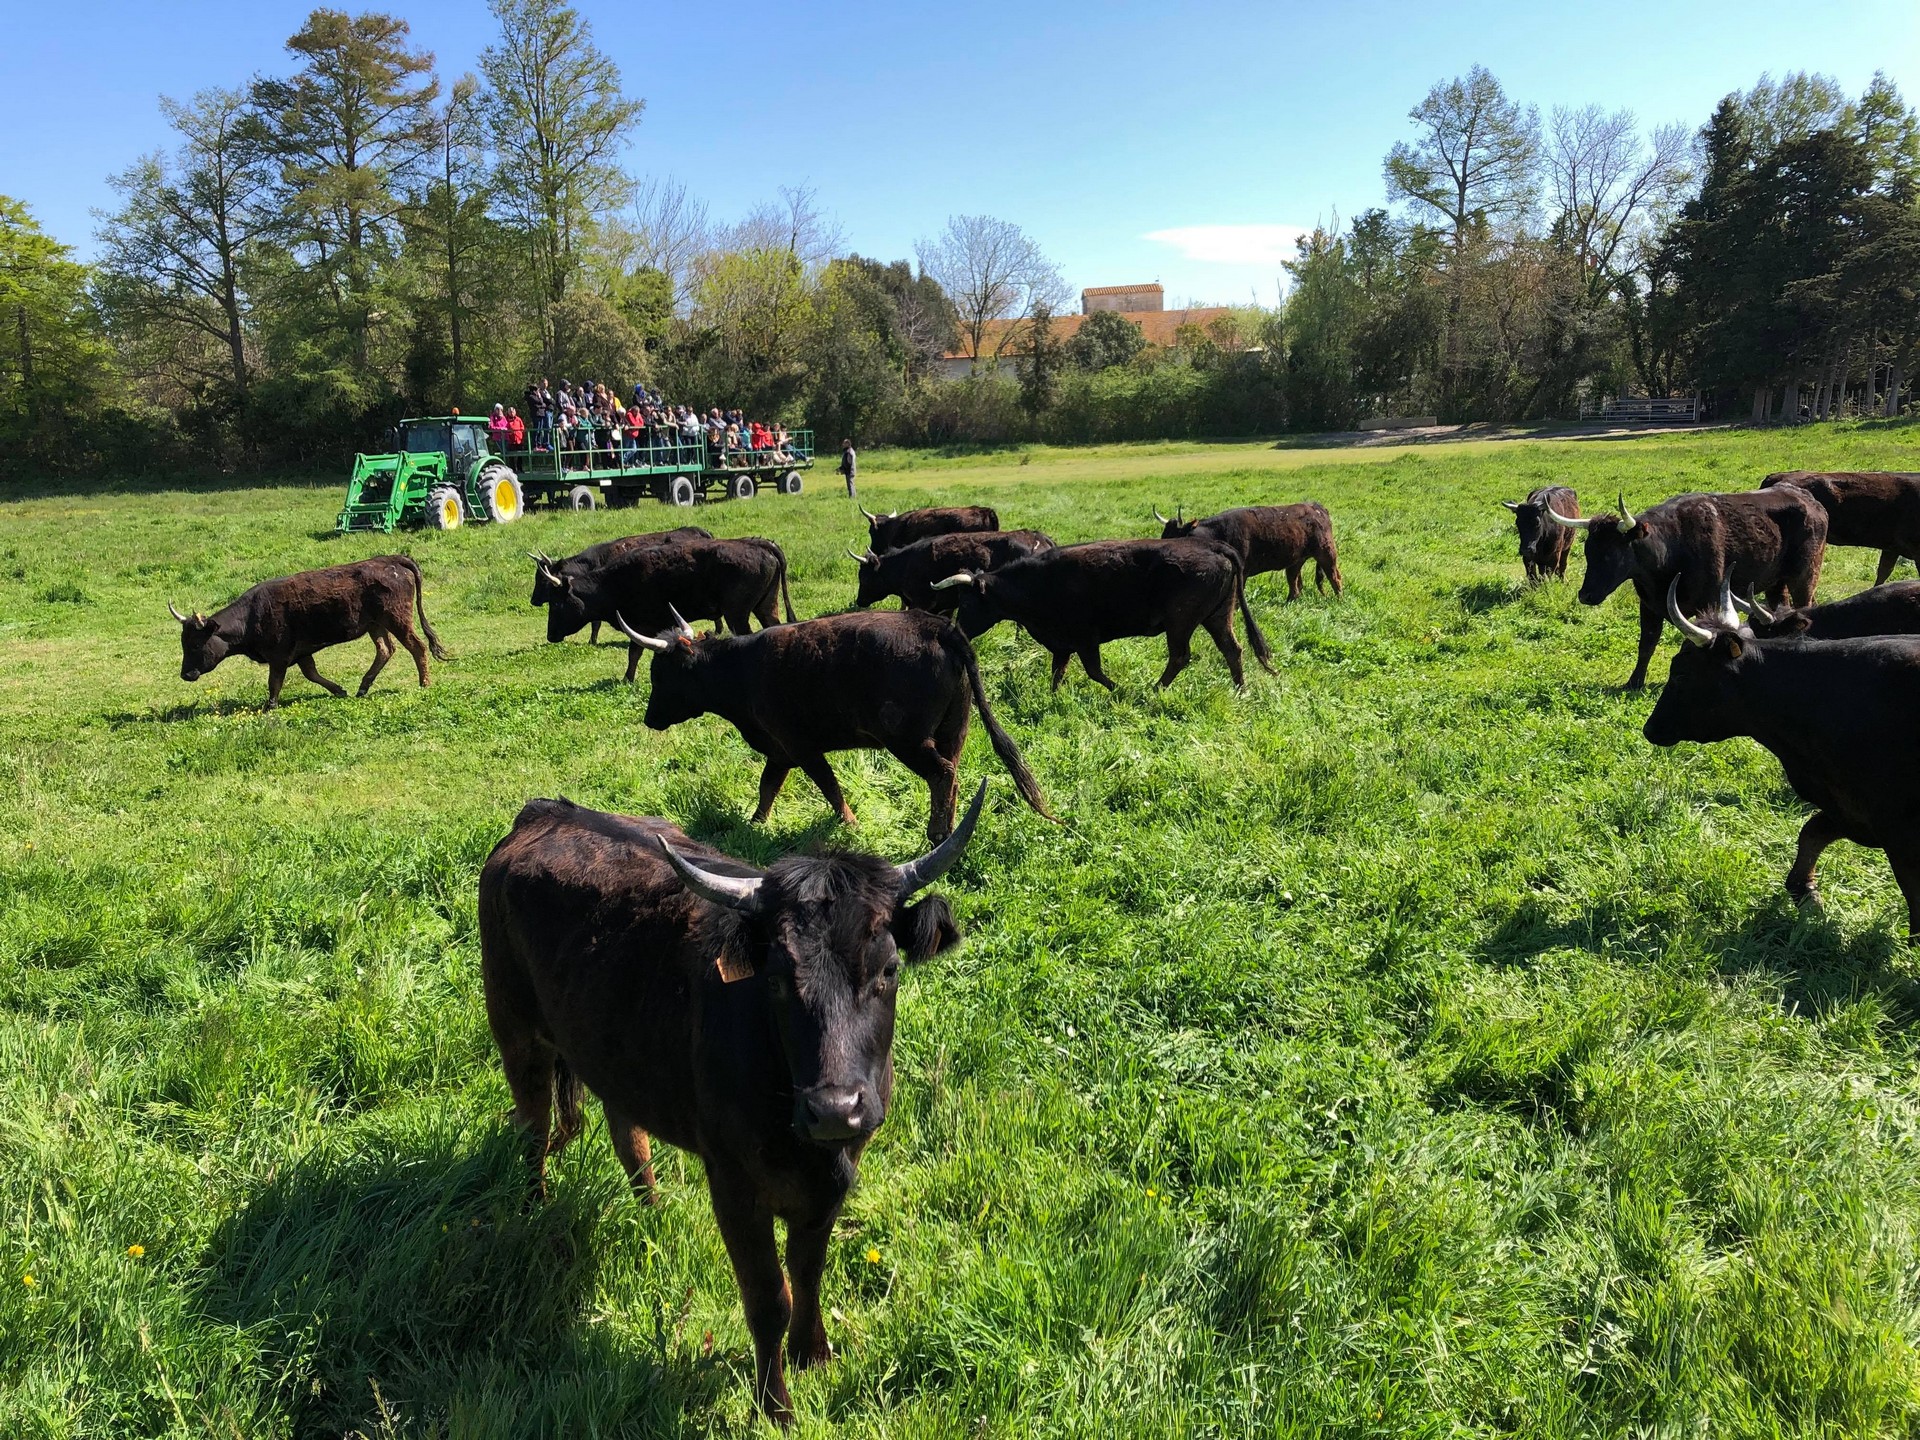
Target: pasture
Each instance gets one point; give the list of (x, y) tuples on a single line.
[(1400, 1046)]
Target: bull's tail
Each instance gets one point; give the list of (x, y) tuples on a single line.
[(1254, 633), (786, 596), (567, 1095), (420, 609), (1003, 745), (1326, 561)]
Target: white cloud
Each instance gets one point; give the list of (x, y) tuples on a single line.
[(1263, 245)]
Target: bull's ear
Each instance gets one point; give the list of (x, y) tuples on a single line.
[(926, 928)]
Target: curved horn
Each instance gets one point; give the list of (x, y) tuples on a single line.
[(1626, 515), (175, 613), (1729, 617), (872, 519), (893, 514), (1161, 518), (645, 642), (1698, 634), (1513, 505), (965, 577), (921, 873), (1753, 607), (681, 621), (1559, 519), (866, 559), (736, 892)]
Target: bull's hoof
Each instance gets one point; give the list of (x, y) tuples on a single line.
[(1807, 896), (805, 1357)]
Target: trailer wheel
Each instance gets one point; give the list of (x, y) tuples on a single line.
[(505, 502), (583, 497), (741, 487), (790, 483), (445, 510), (680, 490)]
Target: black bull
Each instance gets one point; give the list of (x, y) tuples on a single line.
[(902, 681), (284, 622), (1883, 610), (594, 556), (891, 531), (1769, 540), (737, 581), (744, 1015), (1879, 509), (910, 571), (1074, 599), (1544, 545), (1837, 714), (1269, 538)]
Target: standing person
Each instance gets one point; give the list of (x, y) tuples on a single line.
[(516, 430), (497, 429), (849, 467)]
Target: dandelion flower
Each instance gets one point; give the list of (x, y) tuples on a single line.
[(1151, 1192), (28, 1281), (873, 1255), (136, 1251)]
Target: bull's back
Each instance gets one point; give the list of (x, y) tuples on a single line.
[(830, 681), (1115, 589), (1883, 610)]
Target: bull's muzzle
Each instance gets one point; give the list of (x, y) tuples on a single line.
[(835, 1114)]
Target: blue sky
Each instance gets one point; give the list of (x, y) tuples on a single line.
[(1180, 143)]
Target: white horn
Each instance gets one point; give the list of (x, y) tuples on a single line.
[(645, 642), (872, 519), (736, 892), (1559, 519), (1161, 518), (919, 874), (866, 559), (1729, 617), (175, 613), (965, 577), (681, 621), (1512, 505), (1752, 606), (1626, 516), (1698, 634)]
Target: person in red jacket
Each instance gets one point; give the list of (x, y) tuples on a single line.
[(516, 430)]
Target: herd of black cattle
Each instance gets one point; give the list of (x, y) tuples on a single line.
[(747, 1015)]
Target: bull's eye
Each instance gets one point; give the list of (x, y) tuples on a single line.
[(890, 972)]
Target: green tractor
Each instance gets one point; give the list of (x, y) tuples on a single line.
[(441, 473)]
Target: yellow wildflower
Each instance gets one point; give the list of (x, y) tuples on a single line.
[(136, 1251), (28, 1281), (873, 1255)]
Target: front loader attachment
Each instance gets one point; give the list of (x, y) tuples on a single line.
[(386, 490)]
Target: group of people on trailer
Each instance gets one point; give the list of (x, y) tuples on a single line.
[(592, 428)]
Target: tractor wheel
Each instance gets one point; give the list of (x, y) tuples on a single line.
[(680, 490), (504, 501), (445, 510), (741, 487), (790, 483), (583, 497)]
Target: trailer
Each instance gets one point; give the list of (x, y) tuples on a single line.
[(661, 465)]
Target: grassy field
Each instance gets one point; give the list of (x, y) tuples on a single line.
[(1401, 1046)]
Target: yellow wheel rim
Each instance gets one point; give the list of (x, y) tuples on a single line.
[(504, 504), (450, 513)]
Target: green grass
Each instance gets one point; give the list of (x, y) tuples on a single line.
[(1401, 1046)]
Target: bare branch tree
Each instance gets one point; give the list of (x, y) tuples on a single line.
[(991, 270), (1607, 185)]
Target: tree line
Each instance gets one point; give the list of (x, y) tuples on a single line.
[(315, 253)]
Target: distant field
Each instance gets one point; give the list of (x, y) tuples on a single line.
[(1401, 1046)]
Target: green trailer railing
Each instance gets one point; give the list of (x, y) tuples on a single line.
[(586, 467)]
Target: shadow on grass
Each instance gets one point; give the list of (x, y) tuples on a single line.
[(1481, 596), (416, 1277), (1816, 964)]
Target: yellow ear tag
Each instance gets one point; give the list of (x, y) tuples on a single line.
[(732, 968)]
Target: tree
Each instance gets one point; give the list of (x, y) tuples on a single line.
[(990, 271), (558, 118), (451, 224), (53, 361), (1607, 185), (171, 256), (1040, 360), (1106, 338), (593, 340), (354, 131), (1472, 166)]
